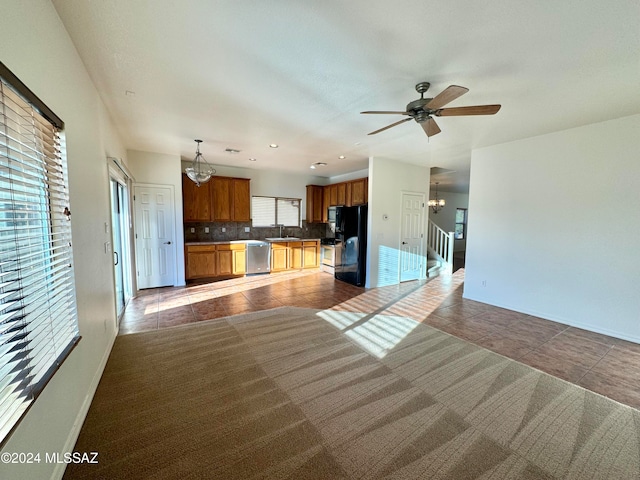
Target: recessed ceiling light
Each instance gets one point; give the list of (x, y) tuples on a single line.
[(273, 145), (252, 159), (313, 167), (342, 157)]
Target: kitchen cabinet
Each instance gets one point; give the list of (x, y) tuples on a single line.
[(319, 199), (196, 205), (231, 259), (200, 261), (315, 208), (359, 192), (241, 211), (310, 254), (216, 260), (295, 255), (333, 195), (221, 199), (326, 197), (279, 256), (341, 193)]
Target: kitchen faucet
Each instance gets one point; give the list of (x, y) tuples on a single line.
[(281, 225)]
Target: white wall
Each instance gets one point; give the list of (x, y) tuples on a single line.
[(36, 47), (554, 229), (272, 183), (446, 218), (163, 169), (387, 180)]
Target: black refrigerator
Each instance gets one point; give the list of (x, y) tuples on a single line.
[(351, 244)]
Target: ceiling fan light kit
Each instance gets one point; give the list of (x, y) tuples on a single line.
[(423, 109), (200, 171)]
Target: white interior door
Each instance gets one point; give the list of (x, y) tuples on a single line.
[(154, 229), (411, 247)]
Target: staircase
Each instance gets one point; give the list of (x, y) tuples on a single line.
[(439, 251)]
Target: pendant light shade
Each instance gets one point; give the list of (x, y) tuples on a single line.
[(200, 171), (436, 204)]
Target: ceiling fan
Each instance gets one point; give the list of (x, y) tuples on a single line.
[(423, 109)]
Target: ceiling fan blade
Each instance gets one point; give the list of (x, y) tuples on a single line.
[(449, 94), (392, 125), (473, 110), (430, 127), (387, 113)]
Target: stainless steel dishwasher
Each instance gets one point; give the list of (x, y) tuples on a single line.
[(258, 257)]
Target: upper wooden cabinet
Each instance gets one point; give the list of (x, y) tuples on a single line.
[(341, 193), (315, 207), (195, 201), (222, 199), (359, 192), (241, 200), (354, 192)]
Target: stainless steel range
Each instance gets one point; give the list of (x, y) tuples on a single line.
[(328, 255)]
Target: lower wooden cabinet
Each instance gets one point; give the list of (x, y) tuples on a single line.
[(200, 261), (229, 259), (279, 257), (217, 260), (310, 254), (295, 255)]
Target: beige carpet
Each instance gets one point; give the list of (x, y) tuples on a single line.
[(295, 393)]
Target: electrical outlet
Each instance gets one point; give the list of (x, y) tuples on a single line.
[(247, 229), (224, 229), (193, 230), (206, 229)]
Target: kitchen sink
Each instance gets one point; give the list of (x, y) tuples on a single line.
[(282, 239)]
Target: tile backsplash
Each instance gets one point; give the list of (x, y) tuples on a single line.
[(236, 231)]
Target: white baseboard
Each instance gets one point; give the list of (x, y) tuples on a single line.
[(58, 472)]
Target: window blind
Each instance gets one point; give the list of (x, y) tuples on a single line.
[(263, 211), (38, 318), (288, 212), (271, 211)]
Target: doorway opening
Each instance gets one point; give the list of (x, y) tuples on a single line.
[(120, 228)]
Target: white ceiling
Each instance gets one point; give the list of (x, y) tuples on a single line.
[(243, 74)]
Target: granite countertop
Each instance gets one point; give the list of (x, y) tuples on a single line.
[(294, 239)]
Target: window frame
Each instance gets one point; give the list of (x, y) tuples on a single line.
[(38, 309), (276, 210), (463, 223)]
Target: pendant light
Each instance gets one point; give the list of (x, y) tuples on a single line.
[(436, 204), (199, 172)]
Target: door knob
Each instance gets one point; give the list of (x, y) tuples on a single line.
[(167, 243), (404, 243)]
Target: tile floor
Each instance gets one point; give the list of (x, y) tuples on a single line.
[(603, 364)]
